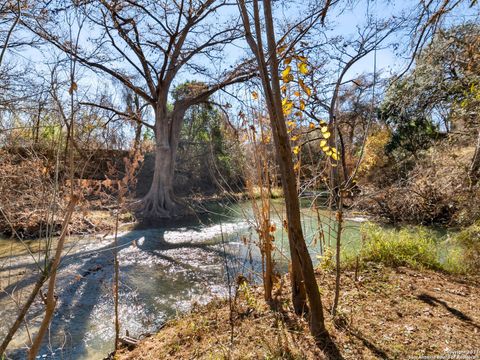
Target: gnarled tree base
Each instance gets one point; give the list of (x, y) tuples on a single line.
[(162, 205)]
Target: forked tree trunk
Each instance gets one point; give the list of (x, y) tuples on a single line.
[(160, 201), (302, 267), (299, 250)]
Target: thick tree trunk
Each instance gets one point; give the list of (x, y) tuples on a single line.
[(160, 201)]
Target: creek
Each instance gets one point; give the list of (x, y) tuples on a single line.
[(163, 272)]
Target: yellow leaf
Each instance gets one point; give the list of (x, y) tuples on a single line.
[(326, 135), (287, 107), (294, 138), (323, 143), (286, 76), (283, 89), (305, 88), (254, 95), (281, 49), (302, 105), (303, 68), (326, 148), (286, 72), (287, 60), (301, 58), (296, 93), (311, 125), (299, 114), (329, 153), (296, 150), (335, 156), (291, 123), (324, 129), (296, 167)]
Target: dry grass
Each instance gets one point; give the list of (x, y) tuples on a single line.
[(33, 198), (386, 313)]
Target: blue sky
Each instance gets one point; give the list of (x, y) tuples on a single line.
[(343, 23)]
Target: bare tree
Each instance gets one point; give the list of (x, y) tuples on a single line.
[(10, 13), (156, 40), (347, 53)]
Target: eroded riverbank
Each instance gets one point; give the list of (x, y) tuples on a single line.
[(384, 314)]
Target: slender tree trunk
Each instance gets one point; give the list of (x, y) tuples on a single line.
[(266, 239), (116, 282), (268, 277), (337, 254), (475, 166), (317, 325), (51, 300), (283, 155), (23, 311), (302, 267), (36, 127)]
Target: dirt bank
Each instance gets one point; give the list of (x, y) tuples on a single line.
[(386, 313)]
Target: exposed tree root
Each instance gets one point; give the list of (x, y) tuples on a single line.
[(162, 205)]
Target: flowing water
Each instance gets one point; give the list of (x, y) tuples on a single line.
[(163, 272)]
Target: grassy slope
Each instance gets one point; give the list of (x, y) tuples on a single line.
[(387, 313)]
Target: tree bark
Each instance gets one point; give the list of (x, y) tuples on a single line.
[(302, 267), (160, 201), (138, 134)]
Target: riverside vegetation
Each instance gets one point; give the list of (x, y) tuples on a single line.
[(239, 180)]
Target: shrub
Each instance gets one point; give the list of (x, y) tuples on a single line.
[(414, 247), (432, 189), (326, 261), (469, 242)]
